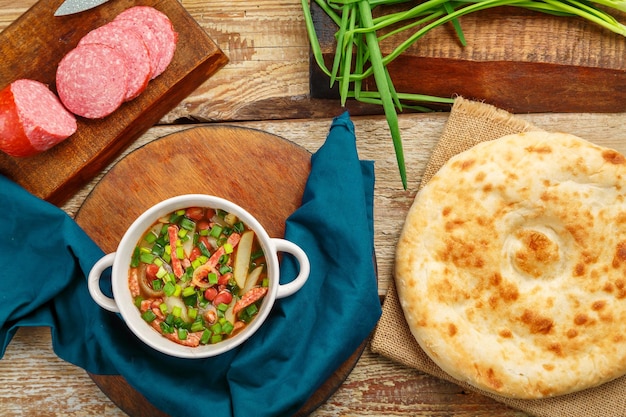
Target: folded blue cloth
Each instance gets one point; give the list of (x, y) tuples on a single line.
[(46, 257)]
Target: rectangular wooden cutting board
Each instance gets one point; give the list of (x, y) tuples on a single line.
[(515, 59), (32, 47)]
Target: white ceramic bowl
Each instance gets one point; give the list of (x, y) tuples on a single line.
[(122, 300)]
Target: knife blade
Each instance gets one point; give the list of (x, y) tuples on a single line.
[(77, 6)]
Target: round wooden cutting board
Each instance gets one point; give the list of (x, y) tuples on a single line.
[(263, 173)]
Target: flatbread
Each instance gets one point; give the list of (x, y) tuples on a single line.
[(511, 266)]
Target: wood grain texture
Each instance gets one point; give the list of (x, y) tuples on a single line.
[(261, 172), (515, 59), (267, 78), (33, 46), (32, 378)]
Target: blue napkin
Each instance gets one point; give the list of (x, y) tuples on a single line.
[(46, 258)]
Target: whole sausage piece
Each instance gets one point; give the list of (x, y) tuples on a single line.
[(32, 119)]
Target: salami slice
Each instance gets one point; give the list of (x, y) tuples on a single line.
[(128, 43), (32, 119), (91, 80), (157, 32)]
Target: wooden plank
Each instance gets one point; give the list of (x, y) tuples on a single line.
[(263, 173), (33, 380), (515, 59), (33, 45)]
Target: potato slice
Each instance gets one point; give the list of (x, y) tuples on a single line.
[(242, 258)]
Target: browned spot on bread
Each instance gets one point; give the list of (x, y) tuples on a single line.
[(480, 176), (492, 380), (462, 254), (453, 224), (581, 319), (452, 330), (572, 333), (538, 251), (466, 164), (537, 323), (506, 333), (556, 348), (446, 210), (579, 269), (548, 366), (613, 157), (598, 305), (620, 254), (539, 149)]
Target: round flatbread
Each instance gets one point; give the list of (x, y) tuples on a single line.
[(511, 266)]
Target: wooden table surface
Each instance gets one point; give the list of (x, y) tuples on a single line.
[(266, 86)]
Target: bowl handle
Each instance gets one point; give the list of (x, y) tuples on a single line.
[(282, 245), (93, 282)]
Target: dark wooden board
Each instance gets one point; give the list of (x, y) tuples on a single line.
[(33, 45), (518, 60), (263, 173)]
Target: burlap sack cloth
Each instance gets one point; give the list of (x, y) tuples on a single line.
[(470, 123)]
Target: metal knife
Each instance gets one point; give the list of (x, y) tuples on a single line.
[(77, 6)]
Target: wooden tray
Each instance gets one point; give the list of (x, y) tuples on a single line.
[(515, 59), (261, 172), (32, 47)]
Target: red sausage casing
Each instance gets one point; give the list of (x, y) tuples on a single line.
[(32, 119)]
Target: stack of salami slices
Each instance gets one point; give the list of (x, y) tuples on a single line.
[(114, 63), (110, 65)]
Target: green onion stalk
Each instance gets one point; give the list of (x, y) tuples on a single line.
[(358, 54)]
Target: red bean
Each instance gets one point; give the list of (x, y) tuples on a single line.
[(223, 280), (223, 297), (194, 213), (210, 293), (151, 271)]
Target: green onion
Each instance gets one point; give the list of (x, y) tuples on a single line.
[(150, 237), (177, 290), (182, 334), (227, 327), (134, 260), (257, 254), (212, 278), (157, 285), (228, 248), (216, 328), (169, 289), (146, 258), (216, 231), (187, 291), (148, 316), (177, 311), (206, 336), (180, 253), (187, 224), (239, 227), (138, 301), (192, 313), (162, 272), (358, 54), (166, 328)]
